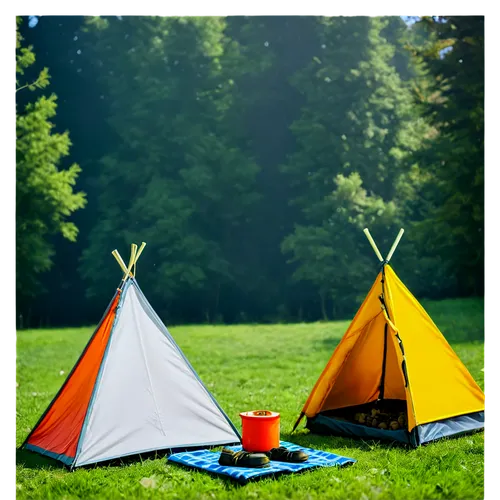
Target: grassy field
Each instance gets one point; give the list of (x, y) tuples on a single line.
[(248, 367)]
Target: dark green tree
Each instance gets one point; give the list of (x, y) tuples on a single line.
[(272, 50), (45, 194), (177, 180), (356, 139), (450, 216)]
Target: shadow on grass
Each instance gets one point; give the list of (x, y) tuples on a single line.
[(32, 460), (242, 481), (319, 441)]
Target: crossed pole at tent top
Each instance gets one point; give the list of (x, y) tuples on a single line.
[(134, 257), (135, 254), (377, 251)]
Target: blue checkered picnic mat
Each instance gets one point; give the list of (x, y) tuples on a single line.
[(209, 461)]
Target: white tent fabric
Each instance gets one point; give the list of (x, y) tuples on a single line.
[(147, 396)]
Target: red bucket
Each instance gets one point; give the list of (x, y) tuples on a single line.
[(260, 430)]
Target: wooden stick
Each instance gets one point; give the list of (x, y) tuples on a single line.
[(395, 244), (118, 258), (372, 243), (143, 244), (133, 251)]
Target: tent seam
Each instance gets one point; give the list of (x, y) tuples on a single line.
[(99, 373), (149, 374)]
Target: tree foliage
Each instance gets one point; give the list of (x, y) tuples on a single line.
[(357, 130), (45, 196), (451, 222), (249, 153), (177, 179)]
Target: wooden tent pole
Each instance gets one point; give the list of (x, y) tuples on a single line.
[(118, 258), (133, 251), (394, 245), (372, 243), (141, 248)]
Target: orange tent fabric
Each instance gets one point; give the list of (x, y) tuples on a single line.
[(59, 429)]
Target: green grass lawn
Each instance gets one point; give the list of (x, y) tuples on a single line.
[(250, 367)]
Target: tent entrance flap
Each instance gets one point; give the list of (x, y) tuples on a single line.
[(370, 372)]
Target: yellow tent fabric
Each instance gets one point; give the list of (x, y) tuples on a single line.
[(437, 384)]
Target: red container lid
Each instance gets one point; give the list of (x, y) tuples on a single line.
[(260, 414)]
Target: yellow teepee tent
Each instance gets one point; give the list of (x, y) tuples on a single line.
[(393, 352)]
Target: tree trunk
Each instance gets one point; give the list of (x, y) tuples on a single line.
[(323, 306), (217, 298)]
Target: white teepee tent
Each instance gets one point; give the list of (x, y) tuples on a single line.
[(132, 391)]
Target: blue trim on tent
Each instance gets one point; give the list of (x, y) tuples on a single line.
[(60, 457), (454, 426), (414, 438), (99, 373), (322, 424), (425, 433), (70, 373), (176, 447), (165, 331)]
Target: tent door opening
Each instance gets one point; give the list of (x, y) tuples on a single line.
[(384, 361), (341, 422), (371, 378)]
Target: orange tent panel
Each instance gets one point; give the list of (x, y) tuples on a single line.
[(359, 379), (365, 315), (59, 429)]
